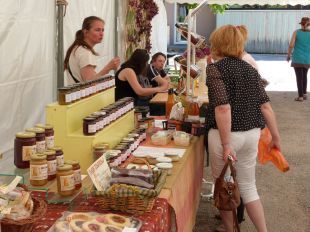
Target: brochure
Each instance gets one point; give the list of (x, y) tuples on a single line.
[(100, 174)]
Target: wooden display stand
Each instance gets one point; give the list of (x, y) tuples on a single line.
[(68, 126)]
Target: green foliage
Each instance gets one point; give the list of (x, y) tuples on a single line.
[(191, 6), (218, 9)]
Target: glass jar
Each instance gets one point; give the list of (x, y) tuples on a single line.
[(40, 138), (59, 155), (193, 110), (65, 180), (24, 147), (49, 134), (89, 126), (99, 149), (64, 95), (38, 170), (51, 164), (76, 172)]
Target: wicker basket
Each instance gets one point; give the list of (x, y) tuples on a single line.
[(130, 199), (25, 225)]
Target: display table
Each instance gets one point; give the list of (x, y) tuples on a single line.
[(182, 188)]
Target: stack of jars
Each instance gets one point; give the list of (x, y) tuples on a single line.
[(98, 120), (73, 93)]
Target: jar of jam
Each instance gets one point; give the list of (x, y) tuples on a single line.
[(65, 180), (51, 164), (49, 134), (89, 125), (76, 172), (64, 95), (99, 149), (24, 147), (40, 138), (59, 155), (38, 170)]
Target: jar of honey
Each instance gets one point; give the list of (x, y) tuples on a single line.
[(24, 147), (49, 134), (59, 155), (65, 180), (40, 138), (64, 95), (51, 164), (77, 173), (38, 170)]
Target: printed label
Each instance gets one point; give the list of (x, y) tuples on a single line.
[(40, 145), (49, 142), (51, 167), (67, 182), (68, 98), (38, 172), (60, 160), (92, 128), (77, 176), (27, 151), (193, 118)]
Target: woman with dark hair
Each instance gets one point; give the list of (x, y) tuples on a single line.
[(126, 78), (81, 58), (300, 45)]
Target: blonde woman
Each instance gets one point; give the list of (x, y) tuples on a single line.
[(238, 108)]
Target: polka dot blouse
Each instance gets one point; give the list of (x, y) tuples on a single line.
[(235, 82)]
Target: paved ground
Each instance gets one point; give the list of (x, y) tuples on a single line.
[(285, 196)]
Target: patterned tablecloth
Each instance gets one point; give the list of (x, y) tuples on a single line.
[(158, 220)]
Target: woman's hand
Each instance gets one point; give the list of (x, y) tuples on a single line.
[(228, 151), (114, 63)]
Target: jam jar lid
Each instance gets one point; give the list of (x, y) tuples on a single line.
[(99, 146), (44, 126), (89, 118), (38, 157), (49, 152), (65, 167), (72, 162), (35, 130), (25, 135), (57, 148), (64, 88)]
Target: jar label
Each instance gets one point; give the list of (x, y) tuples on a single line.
[(38, 172), (40, 146), (60, 160), (27, 151), (68, 98), (92, 128), (51, 167), (77, 177), (49, 142), (193, 118), (67, 182)]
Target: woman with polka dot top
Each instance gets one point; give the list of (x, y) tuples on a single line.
[(238, 108)]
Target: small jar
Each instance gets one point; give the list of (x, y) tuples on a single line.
[(65, 180), (89, 126), (99, 149), (49, 134), (59, 155), (38, 170), (40, 138), (51, 164), (77, 173), (24, 147), (64, 95)]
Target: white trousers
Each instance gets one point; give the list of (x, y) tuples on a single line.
[(245, 145)]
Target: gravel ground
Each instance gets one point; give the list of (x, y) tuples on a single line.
[(285, 196)]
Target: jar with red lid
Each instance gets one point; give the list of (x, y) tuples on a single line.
[(51, 164), (40, 138), (59, 155), (24, 147), (49, 134), (76, 172)]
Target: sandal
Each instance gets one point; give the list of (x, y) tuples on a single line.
[(299, 99), (305, 97)]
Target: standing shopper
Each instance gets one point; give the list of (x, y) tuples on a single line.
[(81, 58), (300, 44), (238, 108)]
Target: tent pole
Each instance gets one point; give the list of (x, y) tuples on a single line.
[(60, 47), (116, 29)]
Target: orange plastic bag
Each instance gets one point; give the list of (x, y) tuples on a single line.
[(274, 155)]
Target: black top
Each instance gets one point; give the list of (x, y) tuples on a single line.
[(123, 88), (235, 82), (153, 72)]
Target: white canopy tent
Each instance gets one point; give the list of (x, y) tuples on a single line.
[(245, 2)]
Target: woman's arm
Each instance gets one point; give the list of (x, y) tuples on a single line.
[(89, 73), (129, 75), (271, 124), (291, 46)]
